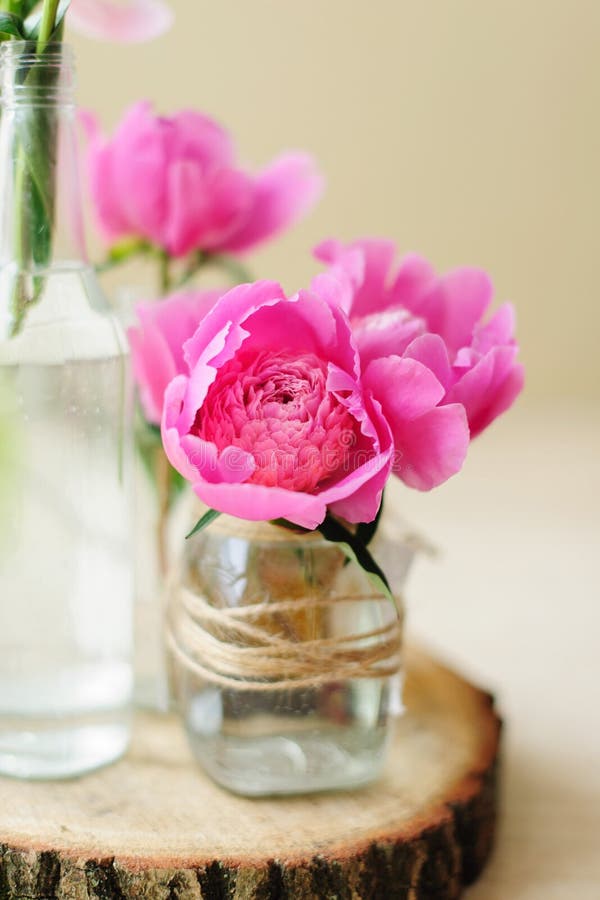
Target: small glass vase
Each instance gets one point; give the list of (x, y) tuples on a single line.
[(286, 660), (65, 488)]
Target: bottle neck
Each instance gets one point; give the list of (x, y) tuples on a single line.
[(41, 222)]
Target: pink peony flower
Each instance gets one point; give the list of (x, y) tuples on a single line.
[(436, 320), (274, 421), (124, 21), (176, 183), (157, 343)]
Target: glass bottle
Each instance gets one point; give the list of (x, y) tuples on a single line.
[(285, 660), (65, 499), (161, 508)]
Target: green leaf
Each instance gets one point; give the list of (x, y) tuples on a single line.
[(42, 215), (291, 526), (11, 26), (356, 551), (27, 6), (206, 519), (34, 196), (365, 531), (34, 178), (34, 20)]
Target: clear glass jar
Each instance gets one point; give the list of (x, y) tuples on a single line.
[(286, 661), (65, 409)]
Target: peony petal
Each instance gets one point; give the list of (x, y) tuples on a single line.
[(335, 287), (236, 465), (373, 293), (430, 443), (489, 388), (378, 254), (454, 305), (153, 367), (88, 120), (235, 305), (385, 333), (362, 504), (187, 218), (329, 251), (350, 394), (177, 317), (219, 336), (171, 436), (344, 276), (102, 181), (139, 151), (127, 22), (405, 388), (503, 398), (200, 380), (307, 324), (430, 350), (432, 448), (156, 343), (499, 330), (198, 137), (231, 196), (358, 494), (414, 276), (259, 503), (283, 193), (201, 456), (233, 465)]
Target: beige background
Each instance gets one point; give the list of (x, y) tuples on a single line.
[(469, 131)]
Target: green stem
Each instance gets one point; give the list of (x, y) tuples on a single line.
[(198, 261), (19, 188), (34, 173), (164, 273), (124, 252), (20, 174), (20, 294), (162, 469), (107, 265), (237, 271), (47, 24), (162, 466)]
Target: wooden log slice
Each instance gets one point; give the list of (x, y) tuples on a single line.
[(154, 827)]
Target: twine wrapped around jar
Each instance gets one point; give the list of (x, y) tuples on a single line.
[(264, 644)]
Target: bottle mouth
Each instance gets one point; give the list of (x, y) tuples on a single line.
[(28, 51), (30, 77)]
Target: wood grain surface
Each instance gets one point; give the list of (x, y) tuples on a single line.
[(154, 827)]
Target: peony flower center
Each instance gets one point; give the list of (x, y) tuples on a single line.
[(276, 406)]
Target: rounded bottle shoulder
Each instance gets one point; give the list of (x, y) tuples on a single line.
[(70, 318)]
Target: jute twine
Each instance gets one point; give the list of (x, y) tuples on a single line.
[(241, 648)]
